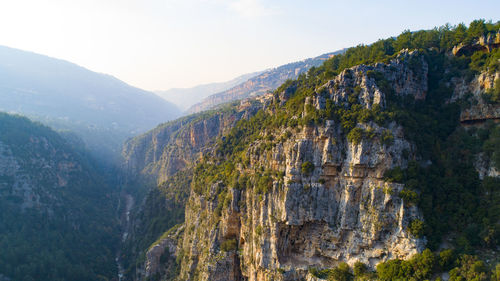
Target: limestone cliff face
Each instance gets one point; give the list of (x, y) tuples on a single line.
[(487, 43), (341, 209), (161, 256), (175, 145), (479, 110)]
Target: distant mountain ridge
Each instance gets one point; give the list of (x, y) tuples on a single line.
[(101, 108), (266, 81), (186, 97)]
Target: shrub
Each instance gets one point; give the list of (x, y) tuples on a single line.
[(360, 269), (389, 270), (387, 138), (323, 273), (394, 175), (416, 228), (422, 265), (495, 276), (258, 230), (470, 268), (446, 259), (229, 245), (410, 197), (307, 168), (341, 273), (264, 184), (355, 135)]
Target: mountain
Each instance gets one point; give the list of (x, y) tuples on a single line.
[(260, 84), (383, 163), (103, 110), (184, 98), (57, 209)]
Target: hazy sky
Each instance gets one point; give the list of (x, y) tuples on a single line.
[(160, 44)]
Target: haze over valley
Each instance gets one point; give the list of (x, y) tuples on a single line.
[(347, 140)]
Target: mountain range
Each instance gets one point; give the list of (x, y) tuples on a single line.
[(103, 110), (208, 96), (260, 84), (379, 162), (184, 98)]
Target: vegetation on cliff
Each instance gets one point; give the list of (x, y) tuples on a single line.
[(458, 206)]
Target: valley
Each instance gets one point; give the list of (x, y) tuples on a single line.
[(376, 162)]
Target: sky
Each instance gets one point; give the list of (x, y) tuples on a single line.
[(162, 44)]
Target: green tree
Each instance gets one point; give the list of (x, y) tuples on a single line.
[(477, 28), (307, 168), (341, 273), (470, 269)]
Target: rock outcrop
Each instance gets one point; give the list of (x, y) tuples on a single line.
[(483, 43), (479, 109), (160, 258)]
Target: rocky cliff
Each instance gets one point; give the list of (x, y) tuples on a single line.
[(340, 209), (175, 145), (479, 110)]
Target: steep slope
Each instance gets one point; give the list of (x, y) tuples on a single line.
[(262, 83), (315, 197), (184, 98), (361, 163), (102, 109), (57, 211)]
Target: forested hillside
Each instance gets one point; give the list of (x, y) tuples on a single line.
[(57, 210)]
